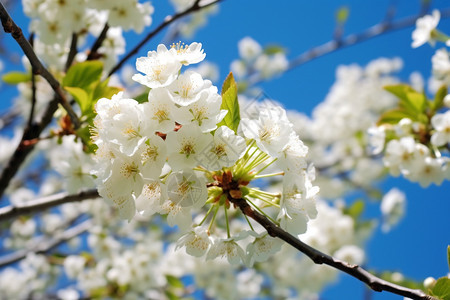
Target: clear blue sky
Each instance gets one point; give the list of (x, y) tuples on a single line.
[(417, 247)]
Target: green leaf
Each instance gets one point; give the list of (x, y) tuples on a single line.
[(102, 90), (80, 96), (356, 209), (230, 103), (439, 98), (417, 101), (441, 289), (399, 90), (142, 97), (15, 77), (83, 75), (448, 256), (342, 14), (394, 116), (273, 49), (174, 281)]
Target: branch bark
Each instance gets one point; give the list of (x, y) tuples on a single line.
[(45, 244), (10, 27), (37, 205), (375, 283), (167, 21), (352, 39)]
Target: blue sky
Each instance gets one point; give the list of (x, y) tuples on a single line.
[(417, 247)]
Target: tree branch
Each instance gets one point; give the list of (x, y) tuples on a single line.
[(167, 21), (98, 43), (12, 211), (44, 244), (72, 52), (375, 283), (352, 39), (10, 27)]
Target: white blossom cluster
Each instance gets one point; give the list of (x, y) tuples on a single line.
[(256, 60), (188, 26), (419, 151), (55, 22), (336, 133), (167, 155)]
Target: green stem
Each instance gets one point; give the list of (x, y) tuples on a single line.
[(213, 219), (226, 220), (267, 175), (207, 214), (261, 211)]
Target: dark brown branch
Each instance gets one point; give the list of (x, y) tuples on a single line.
[(93, 54), (10, 27), (12, 211), (22, 151), (375, 283), (44, 244), (167, 21), (33, 89), (72, 52), (350, 40)]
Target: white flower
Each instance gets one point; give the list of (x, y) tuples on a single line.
[(153, 195), (351, 254), (441, 123), (153, 156), (377, 138), (399, 153), (441, 65), (196, 241), (425, 29), (185, 90), (262, 248), (160, 110), (226, 248), (393, 208), (130, 15), (177, 215), (185, 189), (74, 265), (293, 157), (205, 112), (249, 49), (298, 203), (187, 55), (159, 67), (271, 131), (224, 150), (186, 147)]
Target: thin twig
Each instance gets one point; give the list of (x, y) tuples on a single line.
[(375, 283), (44, 244), (37, 205), (72, 52), (93, 54), (352, 39), (33, 89), (10, 27), (167, 21), (22, 152)]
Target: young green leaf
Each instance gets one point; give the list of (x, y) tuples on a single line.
[(439, 98), (399, 90), (230, 103), (441, 289), (448, 256), (342, 14), (394, 116), (80, 96), (84, 75), (417, 101), (15, 77)]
